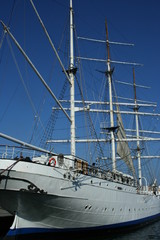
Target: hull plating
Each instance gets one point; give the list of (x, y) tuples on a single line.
[(45, 200)]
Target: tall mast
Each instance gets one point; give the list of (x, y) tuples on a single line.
[(109, 74), (71, 75), (137, 132)]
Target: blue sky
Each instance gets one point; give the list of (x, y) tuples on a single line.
[(134, 21)]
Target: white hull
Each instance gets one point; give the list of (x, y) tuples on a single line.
[(70, 203)]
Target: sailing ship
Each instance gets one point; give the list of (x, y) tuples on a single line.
[(51, 193)]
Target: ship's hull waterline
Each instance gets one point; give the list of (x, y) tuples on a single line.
[(52, 199), (6, 220)]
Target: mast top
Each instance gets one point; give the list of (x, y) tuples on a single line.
[(70, 3), (107, 41)]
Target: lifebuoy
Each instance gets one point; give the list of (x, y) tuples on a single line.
[(52, 162)]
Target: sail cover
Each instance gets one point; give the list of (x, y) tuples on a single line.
[(122, 146)]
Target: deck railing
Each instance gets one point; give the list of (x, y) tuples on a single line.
[(12, 152)]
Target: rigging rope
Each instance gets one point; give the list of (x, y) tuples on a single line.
[(54, 115), (52, 120), (92, 129), (88, 119), (11, 166), (9, 21)]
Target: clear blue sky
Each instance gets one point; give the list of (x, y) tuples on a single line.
[(135, 21)]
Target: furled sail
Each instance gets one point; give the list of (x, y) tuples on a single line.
[(122, 146)]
